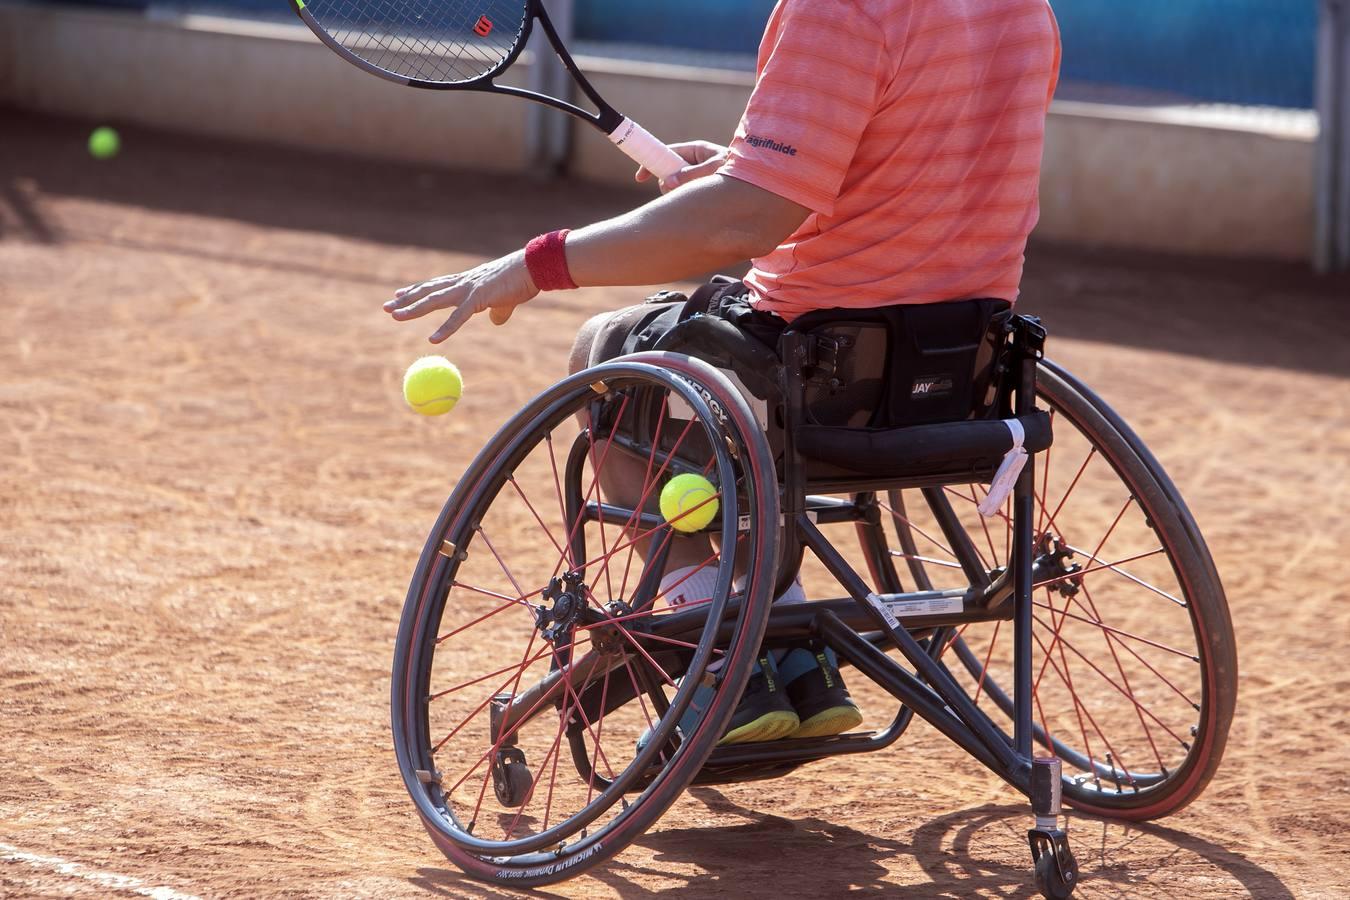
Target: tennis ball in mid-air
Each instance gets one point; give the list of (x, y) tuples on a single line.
[(104, 143), (432, 385), (684, 493)]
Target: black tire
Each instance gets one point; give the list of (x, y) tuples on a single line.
[(596, 666), (1171, 629)]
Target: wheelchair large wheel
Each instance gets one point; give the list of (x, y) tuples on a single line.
[(543, 714), (1135, 665)]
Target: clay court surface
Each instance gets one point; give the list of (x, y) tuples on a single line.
[(212, 496)]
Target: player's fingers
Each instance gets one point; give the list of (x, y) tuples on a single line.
[(500, 315), (642, 175), (430, 303), (456, 321), (690, 173)]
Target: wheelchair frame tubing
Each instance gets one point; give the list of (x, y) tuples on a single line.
[(930, 691)]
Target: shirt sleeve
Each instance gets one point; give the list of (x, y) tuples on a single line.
[(822, 72)]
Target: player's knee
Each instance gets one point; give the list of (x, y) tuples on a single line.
[(585, 340)]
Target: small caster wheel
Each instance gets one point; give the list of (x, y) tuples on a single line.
[(511, 779), (1048, 881), (1056, 868)]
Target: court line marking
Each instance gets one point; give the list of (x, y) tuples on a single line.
[(9, 853)]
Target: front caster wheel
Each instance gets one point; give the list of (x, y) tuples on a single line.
[(1056, 868)]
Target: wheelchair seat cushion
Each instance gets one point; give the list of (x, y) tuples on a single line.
[(918, 449)]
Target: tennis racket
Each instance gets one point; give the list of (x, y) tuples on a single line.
[(463, 45)]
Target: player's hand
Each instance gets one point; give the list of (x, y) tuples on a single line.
[(703, 158), (498, 286)]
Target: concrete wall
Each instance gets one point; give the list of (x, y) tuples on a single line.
[(1213, 182), (1126, 177)]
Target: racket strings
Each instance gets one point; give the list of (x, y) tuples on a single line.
[(442, 41)]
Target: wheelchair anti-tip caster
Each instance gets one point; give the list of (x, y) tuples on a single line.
[(1056, 868), (511, 778)]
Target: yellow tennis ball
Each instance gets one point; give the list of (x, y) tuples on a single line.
[(684, 493), (104, 143), (432, 385)]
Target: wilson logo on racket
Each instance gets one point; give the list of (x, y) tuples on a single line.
[(483, 27)]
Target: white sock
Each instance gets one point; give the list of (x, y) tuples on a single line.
[(679, 589), (795, 593)]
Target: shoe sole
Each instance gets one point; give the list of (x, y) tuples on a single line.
[(768, 727), (828, 723)]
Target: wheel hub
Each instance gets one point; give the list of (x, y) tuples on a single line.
[(566, 602), (1054, 561)]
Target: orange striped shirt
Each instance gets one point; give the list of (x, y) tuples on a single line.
[(913, 131)]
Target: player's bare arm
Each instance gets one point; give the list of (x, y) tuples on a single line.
[(711, 222)]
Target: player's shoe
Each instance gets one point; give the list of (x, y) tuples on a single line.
[(818, 694), (764, 713)]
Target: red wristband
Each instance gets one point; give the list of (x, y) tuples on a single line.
[(546, 259)]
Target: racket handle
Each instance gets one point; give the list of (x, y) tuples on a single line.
[(645, 149)]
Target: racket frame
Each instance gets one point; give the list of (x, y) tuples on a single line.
[(627, 135)]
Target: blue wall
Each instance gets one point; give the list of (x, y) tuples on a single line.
[(1238, 51), (1235, 51)]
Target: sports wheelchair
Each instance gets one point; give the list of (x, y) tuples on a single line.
[(1062, 622)]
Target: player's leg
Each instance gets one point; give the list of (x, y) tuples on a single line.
[(765, 712)]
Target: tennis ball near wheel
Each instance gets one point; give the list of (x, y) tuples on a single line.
[(683, 494), (104, 143), (432, 385)]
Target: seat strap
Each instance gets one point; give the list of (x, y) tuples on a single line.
[(1008, 471)]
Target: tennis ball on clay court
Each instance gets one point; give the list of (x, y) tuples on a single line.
[(104, 143), (684, 493), (432, 385)]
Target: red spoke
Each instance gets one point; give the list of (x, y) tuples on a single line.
[(563, 715), (1124, 693), (984, 670), (500, 596), (1045, 481), (1045, 723), (528, 647), (956, 637), (1097, 620), (515, 584), (557, 484), (1059, 623), (600, 506), (646, 480), (459, 687), (1106, 537), (1103, 567), (512, 480), (927, 559), (646, 612), (1106, 638), (941, 546), (488, 615), (1050, 523), (653, 663), (1137, 580), (599, 733), (972, 499), (1078, 709), (1122, 633), (993, 554), (637, 692), (665, 640), (586, 722)]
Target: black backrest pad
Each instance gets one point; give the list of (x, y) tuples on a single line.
[(897, 366)]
